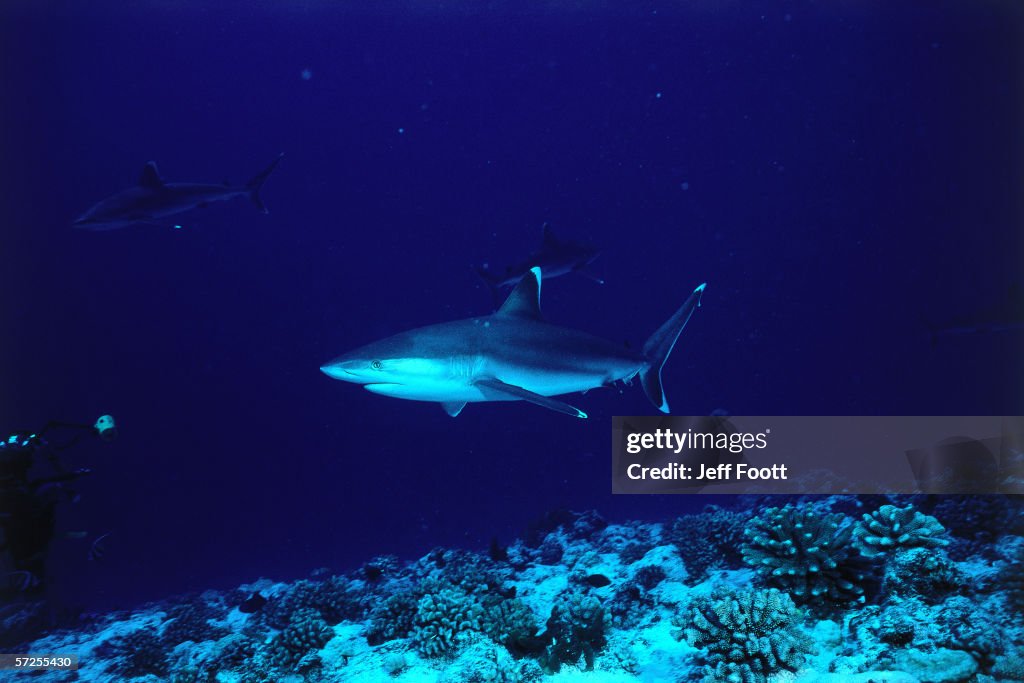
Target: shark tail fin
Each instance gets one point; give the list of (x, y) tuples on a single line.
[(256, 184), (660, 344)]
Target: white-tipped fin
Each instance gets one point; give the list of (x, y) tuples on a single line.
[(524, 301), (502, 391), (453, 408)]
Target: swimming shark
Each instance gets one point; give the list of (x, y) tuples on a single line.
[(153, 199), (555, 256), (1006, 315), (510, 355)]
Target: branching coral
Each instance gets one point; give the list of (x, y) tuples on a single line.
[(707, 540), (142, 652), (306, 631), (808, 554), (575, 630), (191, 622), (510, 623), (1011, 579), (923, 572), (393, 618), (894, 528), (978, 521), (746, 636)]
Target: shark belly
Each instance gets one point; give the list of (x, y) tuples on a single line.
[(548, 383), (436, 391)]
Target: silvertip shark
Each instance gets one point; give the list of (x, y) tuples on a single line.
[(153, 199), (510, 355), (555, 257)]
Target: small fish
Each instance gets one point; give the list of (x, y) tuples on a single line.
[(598, 580), (97, 549), (253, 603)]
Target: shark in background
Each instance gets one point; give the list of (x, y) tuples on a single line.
[(555, 257), (1005, 315), (510, 355), (153, 199)]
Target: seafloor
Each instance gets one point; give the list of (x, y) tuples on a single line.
[(843, 588)]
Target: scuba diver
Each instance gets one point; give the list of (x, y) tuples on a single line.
[(28, 504)]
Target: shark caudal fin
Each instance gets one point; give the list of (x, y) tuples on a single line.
[(256, 184), (660, 344)]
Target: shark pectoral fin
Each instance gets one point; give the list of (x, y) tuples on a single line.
[(453, 408), (510, 391)]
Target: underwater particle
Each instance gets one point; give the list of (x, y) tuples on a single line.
[(684, 185), (306, 74), (401, 131), (657, 95), (176, 227)]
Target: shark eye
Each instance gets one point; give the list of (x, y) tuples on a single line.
[(377, 365)]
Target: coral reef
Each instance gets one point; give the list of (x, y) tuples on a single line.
[(809, 554), (575, 630), (893, 528), (306, 632), (191, 621), (923, 572), (605, 610), (709, 539), (443, 618), (745, 636), (140, 653)]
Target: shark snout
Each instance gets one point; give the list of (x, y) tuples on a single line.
[(346, 370)]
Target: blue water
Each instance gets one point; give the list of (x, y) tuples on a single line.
[(842, 176)]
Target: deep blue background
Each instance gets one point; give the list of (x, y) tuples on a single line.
[(851, 172)]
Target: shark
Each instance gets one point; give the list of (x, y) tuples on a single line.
[(555, 256), (513, 354), (152, 199), (1006, 315)]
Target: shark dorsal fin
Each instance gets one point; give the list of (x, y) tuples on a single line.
[(150, 177), (524, 301), (548, 235)]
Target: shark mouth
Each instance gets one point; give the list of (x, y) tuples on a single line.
[(380, 387)]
